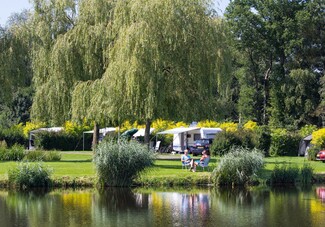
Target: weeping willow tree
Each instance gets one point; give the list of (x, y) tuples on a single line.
[(15, 67), (72, 48), (164, 61)]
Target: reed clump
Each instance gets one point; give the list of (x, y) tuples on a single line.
[(118, 163), (238, 167)]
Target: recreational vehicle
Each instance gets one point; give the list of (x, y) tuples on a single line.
[(184, 137)]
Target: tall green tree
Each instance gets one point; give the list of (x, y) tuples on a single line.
[(271, 40), (15, 70), (164, 61), (53, 69)]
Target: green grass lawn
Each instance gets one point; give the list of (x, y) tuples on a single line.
[(79, 164)]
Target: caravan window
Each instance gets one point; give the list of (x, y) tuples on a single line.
[(197, 136)]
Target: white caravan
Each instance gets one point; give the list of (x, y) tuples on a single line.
[(185, 137)]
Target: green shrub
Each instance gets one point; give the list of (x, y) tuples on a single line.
[(35, 156), (15, 153), (61, 141), (26, 175), (223, 142), (119, 163), (261, 139), (284, 143), (284, 174), (39, 155), (238, 167), (312, 152), (14, 135), (52, 156), (306, 174)]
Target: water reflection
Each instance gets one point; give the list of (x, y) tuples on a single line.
[(321, 193), (167, 207)]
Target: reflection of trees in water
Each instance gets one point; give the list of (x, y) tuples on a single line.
[(239, 206), (18, 204), (240, 196), (40, 208), (119, 199), (120, 207)]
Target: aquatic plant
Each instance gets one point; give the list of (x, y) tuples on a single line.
[(118, 163)]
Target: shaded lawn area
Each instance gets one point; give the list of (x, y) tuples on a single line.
[(79, 164)]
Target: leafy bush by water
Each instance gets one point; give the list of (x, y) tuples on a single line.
[(15, 153), (119, 163), (306, 174), (284, 174), (287, 174), (26, 175), (238, 166)]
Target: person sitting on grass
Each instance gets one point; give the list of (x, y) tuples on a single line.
[(186, 158), (205, 155)]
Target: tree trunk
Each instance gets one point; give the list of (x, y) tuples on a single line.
[(95, 136), (147, 132)]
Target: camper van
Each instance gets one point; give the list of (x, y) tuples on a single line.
[(185, 137)]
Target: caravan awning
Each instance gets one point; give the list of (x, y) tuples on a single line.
[(53, 129), (141, 132), (178, 130), (103, 130)]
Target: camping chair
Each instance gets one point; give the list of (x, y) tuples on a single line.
[(205, 163), (157, 147), (185, 164)]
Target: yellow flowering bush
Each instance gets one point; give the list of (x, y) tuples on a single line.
[(32, 126), (127, 125), (208, 124), (229, 126), (319, 138), (250, 125), (161, 125), (181, 124)]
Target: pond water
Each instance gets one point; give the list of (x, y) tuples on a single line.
[(164, 207)]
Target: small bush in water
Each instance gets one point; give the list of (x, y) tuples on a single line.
[(119, 163), (26, 175), (306, 174), (287, 174), (238, 166), (284, 174)]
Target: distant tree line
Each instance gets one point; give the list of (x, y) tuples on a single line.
[(111, 61)]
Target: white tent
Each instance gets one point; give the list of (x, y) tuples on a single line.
[(102, 133), (33, 132), (141, 132)]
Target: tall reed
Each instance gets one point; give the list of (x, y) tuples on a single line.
[(284, 174), (118, 163), (306, 174), (26, 175), (238, 166)]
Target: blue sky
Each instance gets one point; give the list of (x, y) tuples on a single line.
[(16, 6)]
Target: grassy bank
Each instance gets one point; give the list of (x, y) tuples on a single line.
[(77, 169)]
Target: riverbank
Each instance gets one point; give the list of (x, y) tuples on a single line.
[(77, 170)]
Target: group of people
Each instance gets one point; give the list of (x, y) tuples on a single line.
[(187, 160)]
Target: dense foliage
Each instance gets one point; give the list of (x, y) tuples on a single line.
[(108, 61), (119, 163), (238, 167), (27, 175), (62, 141), (288, 174), (14, 153)]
